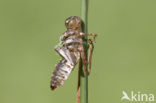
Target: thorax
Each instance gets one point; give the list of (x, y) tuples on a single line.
[(71, 37)]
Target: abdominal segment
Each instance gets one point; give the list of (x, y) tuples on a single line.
[(61, 73), (64, 67)]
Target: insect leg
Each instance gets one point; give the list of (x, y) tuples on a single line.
[(83, 57), (91, 48), (88, 34), (65, 53)]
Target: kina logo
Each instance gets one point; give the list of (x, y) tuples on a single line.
[(138, 96)]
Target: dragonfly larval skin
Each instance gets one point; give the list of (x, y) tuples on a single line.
[(71, 50)]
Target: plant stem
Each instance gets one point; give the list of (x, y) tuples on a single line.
[(83, 77)]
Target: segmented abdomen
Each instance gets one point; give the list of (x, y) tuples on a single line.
[(70, 56), (61, 73)]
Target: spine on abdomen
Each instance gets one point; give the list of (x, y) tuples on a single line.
[(61, 73)]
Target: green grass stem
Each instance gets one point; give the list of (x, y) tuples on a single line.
[(83, 77)]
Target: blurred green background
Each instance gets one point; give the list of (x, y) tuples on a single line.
[(124, 56)]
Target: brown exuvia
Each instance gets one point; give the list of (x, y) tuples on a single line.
[(71, 49)]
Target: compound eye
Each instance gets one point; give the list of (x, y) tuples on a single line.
[(71, 22)]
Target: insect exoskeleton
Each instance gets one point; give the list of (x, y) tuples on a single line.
[(71, 50)]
